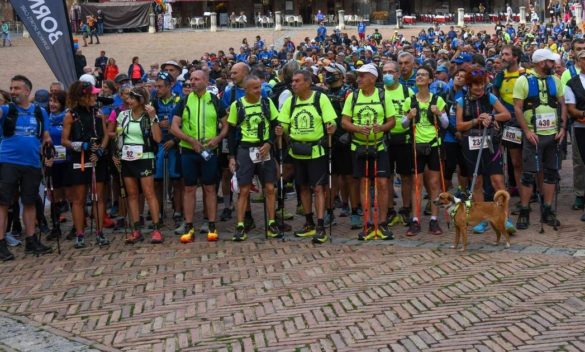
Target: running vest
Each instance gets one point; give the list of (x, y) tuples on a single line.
[(473, 108), (579, 91), (9, 124)]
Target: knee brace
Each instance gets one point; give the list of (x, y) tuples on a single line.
[(528, 179), (551, 176)]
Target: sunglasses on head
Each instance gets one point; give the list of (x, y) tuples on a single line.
[(86, 88), (135, 95), (476, 73)]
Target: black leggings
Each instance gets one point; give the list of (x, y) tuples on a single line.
[(579, 134)]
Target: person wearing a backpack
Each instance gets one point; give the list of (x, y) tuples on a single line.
[(399, 146), (342, 182), (251, 152), (368, 116), (425, 116), (541, 113), (308, 117), (164, 104), (85, 139), (503, 88), (575, 100), (138, 134), (197, 124), (476, 111), (24, 128)]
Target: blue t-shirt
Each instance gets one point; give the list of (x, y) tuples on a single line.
[(361, 27), (24, 147), (56, 130), (449, 136), (165, 109)]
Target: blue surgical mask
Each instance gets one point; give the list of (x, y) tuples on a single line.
[(388, 79)]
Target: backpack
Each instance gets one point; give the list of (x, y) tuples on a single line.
[(9, 124), (150, 145), (381, 96), (532, 101), (277, 91), (414, 104), (241, 113)]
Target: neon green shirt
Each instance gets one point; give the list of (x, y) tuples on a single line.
[(543, 111), (304, 123), (132, 133), (397, 97), (368, 110), (199, 119), (251, 123), (566, 76), (425, 130)]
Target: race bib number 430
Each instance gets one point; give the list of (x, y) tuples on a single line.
[(546, 122)]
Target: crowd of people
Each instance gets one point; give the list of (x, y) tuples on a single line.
[(336, 120)]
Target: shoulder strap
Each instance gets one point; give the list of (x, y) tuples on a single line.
[(265, 106), (572, 70), (241, 112), (382, 97), (404, 91), (499, 80), (233, 94), (551, 87), (317, 102), (434, 98), (40, 121), (355, 93)]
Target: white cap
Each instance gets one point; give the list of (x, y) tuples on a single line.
[(544, 54), (369, 68)]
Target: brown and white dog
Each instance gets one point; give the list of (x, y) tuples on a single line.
[(464, 215)]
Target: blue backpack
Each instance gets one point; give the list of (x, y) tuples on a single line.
[(532, 101)]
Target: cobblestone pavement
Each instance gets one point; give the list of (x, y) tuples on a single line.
[(404, 295), (408, 294)]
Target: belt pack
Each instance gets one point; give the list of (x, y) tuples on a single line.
[(302, 148)]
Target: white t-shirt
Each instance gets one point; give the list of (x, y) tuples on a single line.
[(570, 98)]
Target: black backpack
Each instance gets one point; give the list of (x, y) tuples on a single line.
[(241, 113), (9, 124)]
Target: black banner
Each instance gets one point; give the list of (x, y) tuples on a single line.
[(47, 22), (121, 15)]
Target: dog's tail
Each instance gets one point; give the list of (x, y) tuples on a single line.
[(502, 199)]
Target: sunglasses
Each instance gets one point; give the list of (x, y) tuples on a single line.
[(476, 73), (136, 95), (86, 88), (187, 85)]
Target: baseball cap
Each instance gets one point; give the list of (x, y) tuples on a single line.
[(463, 57), (369, 68), (121, 78), (172, 63), (42, 98), (544, 54), (443, 51)]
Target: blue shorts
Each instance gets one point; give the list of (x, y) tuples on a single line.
[(197, 170), (173, 163)]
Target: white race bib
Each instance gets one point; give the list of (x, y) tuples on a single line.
[(256, 157), (60, 153), (131, 152), (475, 142), (546, 122), (512, 134)]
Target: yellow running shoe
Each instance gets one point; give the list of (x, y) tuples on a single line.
[(188, 237)]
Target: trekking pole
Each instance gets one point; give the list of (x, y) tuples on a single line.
[(540, 200), (165, 184), (442, 173), (557, 186), (376, 208), (330, 189), (416, 188), (94, 199), (54, 215), (280, 153), (366, 191), (476, 170)]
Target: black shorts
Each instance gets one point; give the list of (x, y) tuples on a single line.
[(14, 178), (311, 172), (138, 168), (77, 177), (547, 152), (359, 165), (431, 160), (224, 161), (490, 164), (59, 174), (453, 157), (196, 170), (400, 159), (246, 169), (340, 160)]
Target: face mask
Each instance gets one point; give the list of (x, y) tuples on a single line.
[(388, 79)]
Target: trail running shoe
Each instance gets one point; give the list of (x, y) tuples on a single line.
[(79, 241), (240, 234), (413, 228), (434, 228), (356, 222), (101, 239), (481, 227), (189, 236), (134, 236), (321, 236), (523, 219), (212, 235), (307, 231), (156, 237), (274, 231)]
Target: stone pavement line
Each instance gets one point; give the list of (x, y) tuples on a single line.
[(282, 296), (20, 334)]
